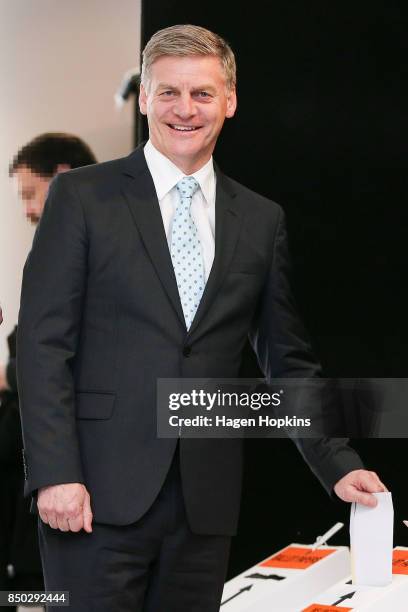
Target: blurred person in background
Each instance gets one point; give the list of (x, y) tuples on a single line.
[(39, 161), (32, 170)]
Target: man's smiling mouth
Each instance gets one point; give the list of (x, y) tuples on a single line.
[(184, 128)]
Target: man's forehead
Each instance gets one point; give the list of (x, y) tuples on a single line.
[(26, 173), (191, 67)]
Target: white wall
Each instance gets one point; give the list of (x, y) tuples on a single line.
[(60, 64)]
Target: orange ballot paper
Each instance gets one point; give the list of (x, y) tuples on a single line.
[(286, 578), (359, 598)]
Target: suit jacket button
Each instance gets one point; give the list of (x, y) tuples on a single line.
[(186, 351)]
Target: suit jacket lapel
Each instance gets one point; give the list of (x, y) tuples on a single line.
[(138, 189), (228, 220)]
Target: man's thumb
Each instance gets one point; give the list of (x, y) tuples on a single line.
[(366, 499), (87, 514)]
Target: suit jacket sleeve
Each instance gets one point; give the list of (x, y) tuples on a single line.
[(53, 288), (283, 350)]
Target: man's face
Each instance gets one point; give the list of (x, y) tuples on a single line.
[(186, 102), (32, 190)]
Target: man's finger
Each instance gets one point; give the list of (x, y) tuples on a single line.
[(88, 521), (76, 524), (43, 517), (366, 499), (381, 486), (62, 524), (370, 482), (52, 521), (87, 514)]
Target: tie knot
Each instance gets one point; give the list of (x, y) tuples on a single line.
[(187, 187)]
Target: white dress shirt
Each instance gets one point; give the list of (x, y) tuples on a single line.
[(165, 178)]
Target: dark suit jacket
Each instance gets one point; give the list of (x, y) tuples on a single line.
[(10, 428), (18, 529), (101, 320)]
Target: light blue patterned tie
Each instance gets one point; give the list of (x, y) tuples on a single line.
[(186, 253)]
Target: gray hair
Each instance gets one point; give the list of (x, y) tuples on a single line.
[(187, 40)]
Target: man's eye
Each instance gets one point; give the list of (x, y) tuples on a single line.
[(167, 93), (203, 94)]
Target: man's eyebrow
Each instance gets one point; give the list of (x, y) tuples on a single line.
[(204, 88), (165, 86), (196, 88)]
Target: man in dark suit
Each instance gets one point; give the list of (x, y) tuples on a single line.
[(20, 566), (154, 266), (32, 168)]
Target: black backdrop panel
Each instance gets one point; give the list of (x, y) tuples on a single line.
[(321, 127)]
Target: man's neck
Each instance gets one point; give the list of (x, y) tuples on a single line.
[(185, 165), (189, 167)]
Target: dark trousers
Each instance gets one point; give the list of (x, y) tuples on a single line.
[(154, 565)]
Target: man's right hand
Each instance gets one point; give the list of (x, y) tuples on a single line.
[(66, 507)]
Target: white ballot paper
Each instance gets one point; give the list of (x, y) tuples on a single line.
[(371, 541)]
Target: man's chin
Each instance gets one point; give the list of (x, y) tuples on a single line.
[(188, 150), (33, 219)]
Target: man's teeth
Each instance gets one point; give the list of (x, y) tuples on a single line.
[(184, 128)]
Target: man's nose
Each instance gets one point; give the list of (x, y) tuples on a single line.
[(185, 106), (29, 208)]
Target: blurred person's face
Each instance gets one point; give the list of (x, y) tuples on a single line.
[(32, 189), (186, 102)]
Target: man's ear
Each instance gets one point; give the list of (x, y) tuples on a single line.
[(143, 100), (62, 168), (231, 103)]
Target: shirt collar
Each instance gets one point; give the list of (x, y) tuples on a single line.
[(166, 175)]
